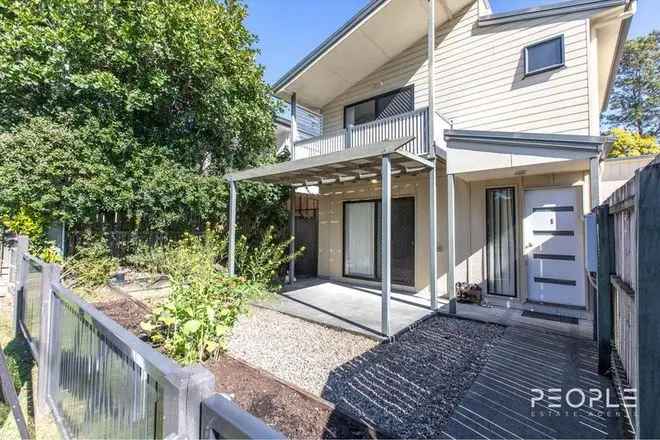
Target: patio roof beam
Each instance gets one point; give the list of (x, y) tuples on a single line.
[(386, 245), (369, 155)]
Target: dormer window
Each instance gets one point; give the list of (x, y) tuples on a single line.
[(544, 56), (382, 106)]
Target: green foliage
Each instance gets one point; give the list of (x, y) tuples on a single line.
[(204, 302), (635, 101), (91, 266), (24, 224), (131, 108), (632, 144), (262, 263), (33, 227)]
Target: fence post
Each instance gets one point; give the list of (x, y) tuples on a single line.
[(604, 296), (201, 385), (647, 299), (49, 275), (18, 269)]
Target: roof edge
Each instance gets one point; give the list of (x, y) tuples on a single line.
[(561, 8), (326, 44), (620, 45)]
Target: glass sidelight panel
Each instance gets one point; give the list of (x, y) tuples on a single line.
[(360, 239), (501, 241)]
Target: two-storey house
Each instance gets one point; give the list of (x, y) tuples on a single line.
[(457, 145)]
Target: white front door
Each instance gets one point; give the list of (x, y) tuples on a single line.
[(553, 246)]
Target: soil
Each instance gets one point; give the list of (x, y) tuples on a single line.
[(286, 408), (127, 312)]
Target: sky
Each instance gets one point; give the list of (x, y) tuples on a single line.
[(290, 29)]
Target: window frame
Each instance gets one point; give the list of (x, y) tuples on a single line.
[(374, 98), (516, 262), (559, 65)]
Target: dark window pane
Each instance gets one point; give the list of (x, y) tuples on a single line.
[(501, 241), (547, 54), (361, 113)]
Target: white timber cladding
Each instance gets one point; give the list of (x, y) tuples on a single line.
[(480, 82)]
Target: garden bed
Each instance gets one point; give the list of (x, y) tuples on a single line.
[(288, 409)]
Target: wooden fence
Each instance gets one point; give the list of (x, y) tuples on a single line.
[(100, 381), (628, 296)]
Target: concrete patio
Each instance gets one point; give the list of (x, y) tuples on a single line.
[(357, 309)]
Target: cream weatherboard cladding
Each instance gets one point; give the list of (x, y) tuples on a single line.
[(480, 77)]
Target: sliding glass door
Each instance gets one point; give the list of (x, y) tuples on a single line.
[(360, 239), (501, 241)]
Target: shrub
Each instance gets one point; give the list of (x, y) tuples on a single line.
[(204, 302), (91, 266), (262, 263), (148, 258), (33, 227)]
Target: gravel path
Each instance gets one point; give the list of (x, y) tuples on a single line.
[(407, 389), (292, 349)]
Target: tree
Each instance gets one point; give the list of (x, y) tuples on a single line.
[(628, 144), (635, 100), (135, 108)]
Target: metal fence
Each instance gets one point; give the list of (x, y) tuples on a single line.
[(628, 303), (100, 381)]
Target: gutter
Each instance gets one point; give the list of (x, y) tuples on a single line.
[(567, 7), (351, 24)]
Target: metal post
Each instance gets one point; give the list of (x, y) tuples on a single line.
[(386, 248), (433, 211), (431, 78), (604, 296), (294, 124), (292, 235), (231, 264), (433, 239), (348, 141), (647, 301), (594, 177), (451, 242)]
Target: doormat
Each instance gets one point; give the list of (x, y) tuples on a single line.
[(548, 317)]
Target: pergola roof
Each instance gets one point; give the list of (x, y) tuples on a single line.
[(341, 166)]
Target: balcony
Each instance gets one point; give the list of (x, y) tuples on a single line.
[(408, 124)]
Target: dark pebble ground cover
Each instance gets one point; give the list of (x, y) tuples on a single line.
[(409, 388)]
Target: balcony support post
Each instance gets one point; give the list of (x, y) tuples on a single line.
[(294, 124), (433, 213), (431, 78), (386, 245)]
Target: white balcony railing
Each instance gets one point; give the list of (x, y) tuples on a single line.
[(408, 124)]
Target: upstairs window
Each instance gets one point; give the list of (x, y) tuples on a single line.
[(380, 107), (544, 56)]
